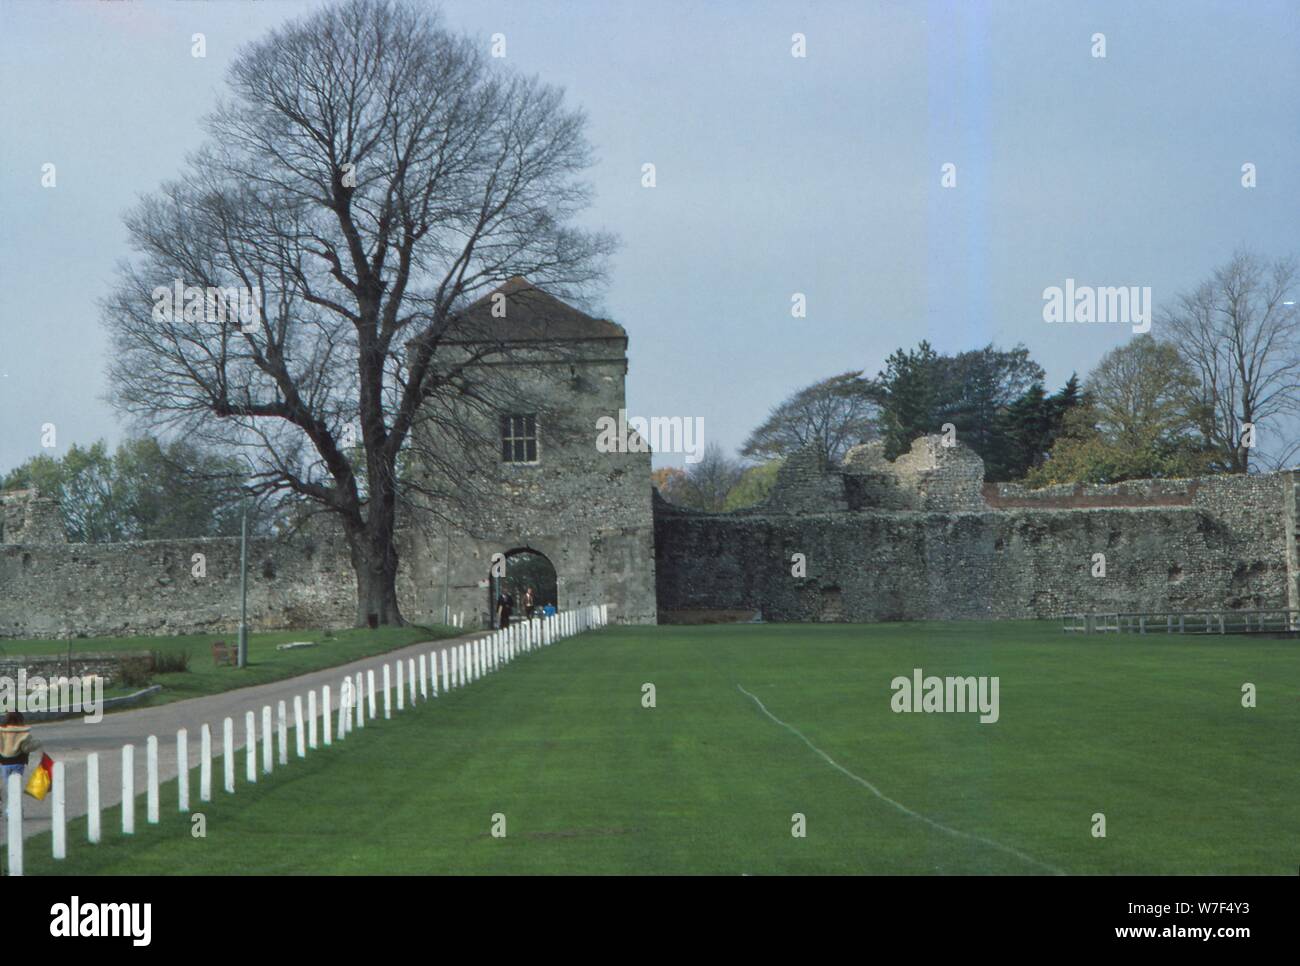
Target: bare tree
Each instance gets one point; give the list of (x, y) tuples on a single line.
[(1240, 332), (370, 176), (710, 480), (837, 413)]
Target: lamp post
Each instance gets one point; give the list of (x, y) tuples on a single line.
[(446, 581), (242, 660)]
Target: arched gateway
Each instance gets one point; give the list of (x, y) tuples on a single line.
[(524, 568)]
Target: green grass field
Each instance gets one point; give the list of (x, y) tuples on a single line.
[(1151, 732), (265, 663)]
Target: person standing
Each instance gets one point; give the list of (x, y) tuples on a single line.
[(528, 603), (16, 745), (504, 604)]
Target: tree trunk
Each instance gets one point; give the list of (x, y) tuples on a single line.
[(374, 561)]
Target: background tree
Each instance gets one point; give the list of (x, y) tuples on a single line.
[(754, 485), (975, 388), (909, 390), (670, 481), (369, 177), (994, 398), (837, 413), (1140, 420), (703, 485), (1240, 333), (1029, 428), (144, 491)]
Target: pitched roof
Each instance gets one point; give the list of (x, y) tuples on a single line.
[(531, 315)]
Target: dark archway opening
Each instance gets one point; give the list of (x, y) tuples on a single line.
[(525, 568)]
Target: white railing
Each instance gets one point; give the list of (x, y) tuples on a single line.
[(445, 669)]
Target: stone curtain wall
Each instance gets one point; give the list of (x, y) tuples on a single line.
[(147, 587), (53, 667), (1226, 546)]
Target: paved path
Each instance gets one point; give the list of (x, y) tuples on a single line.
[(71, 740)]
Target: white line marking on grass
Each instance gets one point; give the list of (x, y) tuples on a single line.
[(899, 805)]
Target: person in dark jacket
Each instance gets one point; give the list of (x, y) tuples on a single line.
[(504, 605)]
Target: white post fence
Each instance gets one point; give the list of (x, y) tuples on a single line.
[(228, 753), (325, 700), (14, 804), (282, 732), (268, 763), (205, 764), (151, 780), (183, 770), (299, 736), (311, 719), (128, 789), (58, 813), (451, 666), (92, 798)]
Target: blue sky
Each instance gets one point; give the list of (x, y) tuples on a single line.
[(775, 174)]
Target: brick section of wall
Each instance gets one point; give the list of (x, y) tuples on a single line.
[(1071, 496)]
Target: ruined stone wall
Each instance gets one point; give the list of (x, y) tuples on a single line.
[(53, 667), (1216, 543), (150, 587), (28, 517)]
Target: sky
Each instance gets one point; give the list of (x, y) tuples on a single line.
[(820, 175)]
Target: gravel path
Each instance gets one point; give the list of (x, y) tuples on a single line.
[(71, 740)]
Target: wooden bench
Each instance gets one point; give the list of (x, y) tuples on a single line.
[(223, 654)]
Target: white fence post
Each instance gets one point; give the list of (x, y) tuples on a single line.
[(228, 753), (424, 680), (183, 770), (250, 747), (205, 763), (128, 789), (59, 814), (267, 761), (282, 732), (325, 700), (358, 705), (370, 687), (345, 707), (92, 798), (388, 706), (311, 719), (151, 780), (14, 794), (410, 675), (440, 684), (299, 735)]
